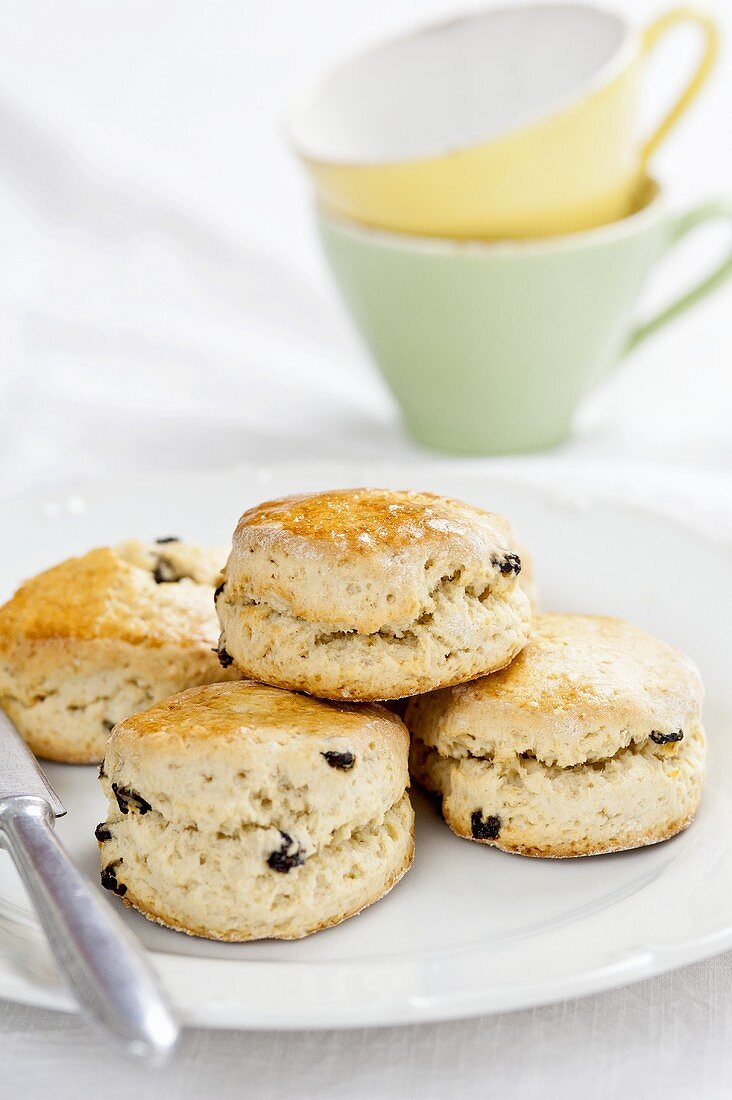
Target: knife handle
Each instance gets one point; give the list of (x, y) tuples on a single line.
[(101, 960)]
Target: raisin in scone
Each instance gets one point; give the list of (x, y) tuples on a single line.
[(591, 741), (243, 812), (95, 638), (371, 594)]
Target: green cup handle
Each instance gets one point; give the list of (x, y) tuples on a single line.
[(680, 227)]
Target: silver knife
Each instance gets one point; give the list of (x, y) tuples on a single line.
[(100, 959)]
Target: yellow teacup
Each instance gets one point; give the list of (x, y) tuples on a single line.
[(513, 122)]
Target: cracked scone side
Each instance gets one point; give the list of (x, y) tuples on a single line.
[(225, 887), (641, 795), (66, 697), (459, 639), (240, 811)]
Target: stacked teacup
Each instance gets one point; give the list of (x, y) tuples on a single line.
[(485, 205)]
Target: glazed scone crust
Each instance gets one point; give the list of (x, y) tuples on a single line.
[(584, 687), (91, 640), (103, 595), (207, 791), (363, 559), (371, 594)]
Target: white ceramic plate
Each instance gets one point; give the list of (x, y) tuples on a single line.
[(469, 930)]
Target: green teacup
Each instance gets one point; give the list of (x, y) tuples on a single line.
[(488, 348)]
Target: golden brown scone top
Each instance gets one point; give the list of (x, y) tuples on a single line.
[(253, 712), (576, 662), (584, 687), (361, 521), (100, 595)]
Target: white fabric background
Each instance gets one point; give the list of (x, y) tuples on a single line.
[(666, 1038), (163, 305)]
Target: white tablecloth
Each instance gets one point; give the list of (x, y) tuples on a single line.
[(163, 305), (668, 1038)]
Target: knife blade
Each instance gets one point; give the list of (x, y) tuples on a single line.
[(102, 962), (20, 772)]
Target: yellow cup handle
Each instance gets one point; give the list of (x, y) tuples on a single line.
[(650, 36)]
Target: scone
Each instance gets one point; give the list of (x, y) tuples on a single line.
[(591, 741), (96, 638), (527, 579), (243, 812), (371, 594)]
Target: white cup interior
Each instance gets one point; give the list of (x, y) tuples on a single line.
[(456, 84)]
